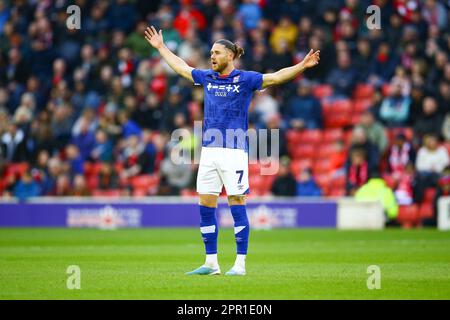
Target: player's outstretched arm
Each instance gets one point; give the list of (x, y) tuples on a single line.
[(176, 63), (287, 74)]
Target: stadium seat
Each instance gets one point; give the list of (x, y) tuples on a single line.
[(408, 215), (385, 88), (107, 193), (339, 181), (322, 91), (363, 91), (17, 169), (429, 195), (323, 179), (336, 120), (356, 119), (311, 136), (321, 166), (426, 210), (325, 150), (293, 136), (298, 165), (342, 106), (92, 182), (332, 135), (361, 105), (336, 192), (303, 151), (141, 181)]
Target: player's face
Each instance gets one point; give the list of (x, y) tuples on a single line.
[(220, 57)]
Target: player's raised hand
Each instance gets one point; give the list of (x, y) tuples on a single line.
[(153, 37), (312, 59)]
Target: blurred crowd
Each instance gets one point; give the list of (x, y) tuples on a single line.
[(100, 101)]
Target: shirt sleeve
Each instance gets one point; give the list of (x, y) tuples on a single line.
[(255, 80), (198, 76)]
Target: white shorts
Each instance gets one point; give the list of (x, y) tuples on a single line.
[(223, 166)]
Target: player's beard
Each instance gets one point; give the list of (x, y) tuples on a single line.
[(221, 66)]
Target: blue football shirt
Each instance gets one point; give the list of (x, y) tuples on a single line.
[(226, 101)]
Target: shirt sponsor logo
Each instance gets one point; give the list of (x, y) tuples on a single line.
[(223, 88)]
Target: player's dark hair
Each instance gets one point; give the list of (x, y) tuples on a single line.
[(237, 50)]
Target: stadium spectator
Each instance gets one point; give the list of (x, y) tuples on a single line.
[(394, 109), (135, 158), (13, 144), (103, 148), (189, 17), (376, 189), (285, 183), (304, 110), (107, 177), (383, 67), (79, 188), (26, 187), (343, 78), (265, 106), (250, 14), (283, 35), (400, 154), (375, 131), (405, 186), (338, 159), (431, 120), (177, 177), (75, 159), (360, 141), (357, 170), (430, 162), (306, 186)]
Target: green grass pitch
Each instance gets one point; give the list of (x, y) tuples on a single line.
[(282, 264)]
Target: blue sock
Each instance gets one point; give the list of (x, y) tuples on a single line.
[(241, 228), (209, 229)]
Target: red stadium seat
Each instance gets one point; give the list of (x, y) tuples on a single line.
[(339, 182), (361, 105), (293, 136), (322, 91), (336, 192), (321, 166), (107, 193), (339, 120), (343, 106), (325, 150), (363, 91), (426, 210), (311, 136), (299, 165), (17, 169), (408, 216), (303, 151), (356, 119), (385, 89), (430, 194), (332, 135)]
